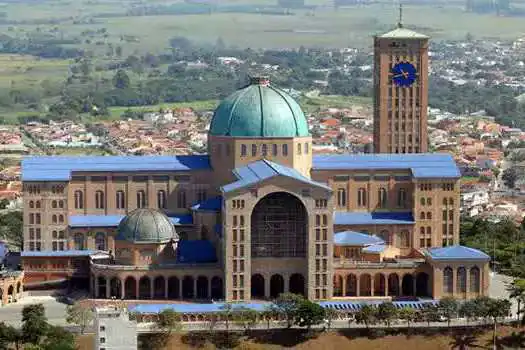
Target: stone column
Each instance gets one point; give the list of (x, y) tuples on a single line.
[(122, 288), (166, 288), (357, 285), (96, 287), (372, 283), (108, 286), (343, 286), (386, 286)]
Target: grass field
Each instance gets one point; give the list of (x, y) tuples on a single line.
[(19, 71), (352, 26), (338, 341)]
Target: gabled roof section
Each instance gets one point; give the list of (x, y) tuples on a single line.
[(261, 170), (373, 218), (456, 252), (59, 168), (422, 165), (403, 33), (353, 238)]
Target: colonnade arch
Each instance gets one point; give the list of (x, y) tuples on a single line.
[(381, 284), (158, 287), (270, 286), (461, 281)]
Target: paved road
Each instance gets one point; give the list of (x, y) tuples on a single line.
[(56, 312)]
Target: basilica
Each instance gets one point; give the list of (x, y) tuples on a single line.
[(261, 214)]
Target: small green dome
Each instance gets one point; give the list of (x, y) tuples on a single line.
[(259, 110), (146, 225)]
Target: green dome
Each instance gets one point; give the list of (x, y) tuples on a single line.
[(259, 110), (146, 225)]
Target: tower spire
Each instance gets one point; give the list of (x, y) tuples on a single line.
[(400, 22)]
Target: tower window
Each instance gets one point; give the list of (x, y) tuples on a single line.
[(243, 150)]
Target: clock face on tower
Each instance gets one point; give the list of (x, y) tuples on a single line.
[(403, 74)]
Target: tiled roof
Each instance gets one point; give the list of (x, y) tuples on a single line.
[(424, 165), (59, 168), (456, 252), (352, 238), (59, 253), (378, 218), (114, 220), (212, 204), (261, 170)]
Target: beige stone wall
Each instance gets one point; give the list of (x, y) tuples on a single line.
[(439, 290)]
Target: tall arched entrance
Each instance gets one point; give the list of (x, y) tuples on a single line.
[(279, 227), (144, 288), (173, 288), (258, 286), (216, 288), (422, 285), (115, 288), (407, 285), (276, 285), (393, 285), (297, 285), (130, 288)]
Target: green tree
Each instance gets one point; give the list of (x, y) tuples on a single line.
[(245, 318), (121, 80), (11, 228), (34, 323), (81, 314), (287, 305), (367, 315), (408, 315), (509, 177), (497, 309), (169, 321), (448, 308), (386, 312), (430, 314), (9, 335), (57, 338), (226, 315), (331, 314), (516, 291), (470, 310), (309, 314)]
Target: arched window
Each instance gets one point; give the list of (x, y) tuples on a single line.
[(100, 241), (38, 205), (31, 204), (79, 200), (61, 204), (341, 197), (264, 150), (429, 230), (429, 201), (181, 199), (445, 201), (461, 280), (54, 204), (79, 241), (451, 201), (448, 280), (404, 239), (383, 199), (299, 149), (141, 199), (422, 215), (422, 230), (243, 151), (275, 149), (38, 219), (401, 198), (285, 149), (54, 219), (429, 215), (254, 150), (99, 200), (61, 218), (361, 197), (121, 199), (161, 199), (422, 201), (474, 280)]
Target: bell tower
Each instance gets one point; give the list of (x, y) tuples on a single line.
[(400, 91)]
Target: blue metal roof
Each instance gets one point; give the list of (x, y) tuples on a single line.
[(377, 218), (456, 252), (216, 307), (423, 165), (261, 170), (196, 252), (58, 253), (114, 220), (374, 249), (212, 204), (59, 168), (353, 238)]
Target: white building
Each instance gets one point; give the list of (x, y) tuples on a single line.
[(114, 330), (474, 202)]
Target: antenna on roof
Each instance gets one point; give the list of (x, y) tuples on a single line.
[(400, 22)]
